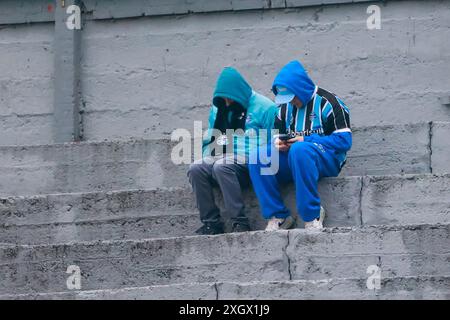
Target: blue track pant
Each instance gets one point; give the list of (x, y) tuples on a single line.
[(304, 164)]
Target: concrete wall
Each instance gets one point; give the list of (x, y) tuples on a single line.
[(138, 73), (141, 64), (26, 83)]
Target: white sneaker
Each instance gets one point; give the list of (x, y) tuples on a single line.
[(275, 224), (316, 224)]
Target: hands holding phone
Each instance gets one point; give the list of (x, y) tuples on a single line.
[(284, 145)]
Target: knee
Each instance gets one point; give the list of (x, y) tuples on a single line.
[(220, 169), (194, 170)]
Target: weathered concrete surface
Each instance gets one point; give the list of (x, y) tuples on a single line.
[(387, 200), (95, 206), (354, 289), (88, 167), (254, 256), (185, 291), (137, 8), (26, 84), (390, 149), (341, 211), (423, 287), (440, 146), (411, 199), (124, 228), (116, 264), (413, 250), (145, 213), (124, 61), (144, 164), (182, 56), (26, 11)]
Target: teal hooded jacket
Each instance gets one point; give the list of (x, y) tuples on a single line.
[(261, 112)]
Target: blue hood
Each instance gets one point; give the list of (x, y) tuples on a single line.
[(295, 78), (232, 85)]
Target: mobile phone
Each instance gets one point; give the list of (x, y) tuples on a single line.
[(285, 137)]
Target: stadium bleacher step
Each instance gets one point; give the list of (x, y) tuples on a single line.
[(419, 287), (146, 164), (400, 251), (171, 212)]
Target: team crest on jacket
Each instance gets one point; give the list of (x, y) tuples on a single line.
[(222, 140), (312, 116)]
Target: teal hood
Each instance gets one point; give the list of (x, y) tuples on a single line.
[(232, 85)]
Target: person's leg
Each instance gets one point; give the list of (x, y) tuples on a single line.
[(232, 177), (267, 187), (200, 177), (309, 163)]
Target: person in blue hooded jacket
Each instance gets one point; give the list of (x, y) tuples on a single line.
[(320, 122), (236, 118)]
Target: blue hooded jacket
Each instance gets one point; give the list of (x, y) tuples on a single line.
[(261, 112), (294, 77)]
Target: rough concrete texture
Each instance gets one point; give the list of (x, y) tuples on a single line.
[(124, 60), (124, 228), (414, 250), (26, 11), (144, 213), (383, 200), (182, 56), (390, 149), (88, 167), (96, 205), (348, 289), (407, 200), (144, 164), (185, 291), (116, 264), (164, 7), (423, 287), (440, 146), (242, 257), (26, 87)]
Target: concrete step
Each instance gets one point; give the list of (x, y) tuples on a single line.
[(417, 288), (146, 164), (171, 212), (400, 251)]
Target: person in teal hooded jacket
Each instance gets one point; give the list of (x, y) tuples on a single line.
[(240, 121), (318, 124)]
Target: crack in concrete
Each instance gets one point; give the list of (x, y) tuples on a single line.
[(430, 148), (360, 213), (216, 288), (287, 257)]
